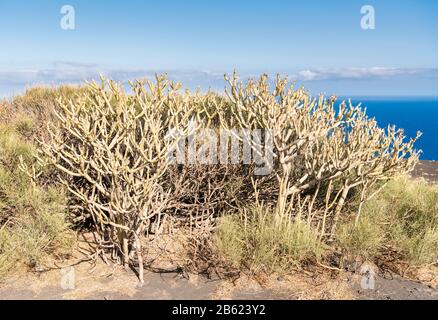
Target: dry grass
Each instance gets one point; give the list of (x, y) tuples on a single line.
[(34, 109), (259, 240), (32, 217), (403, 216), (362, 239), (409, 210)]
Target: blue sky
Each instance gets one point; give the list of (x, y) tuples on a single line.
[(317, 43)]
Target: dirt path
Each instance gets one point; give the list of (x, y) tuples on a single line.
[(397, 289)]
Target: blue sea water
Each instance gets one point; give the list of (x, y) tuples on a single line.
[(411, 114)]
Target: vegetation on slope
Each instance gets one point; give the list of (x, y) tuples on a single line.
[(403, 217), (32, 215), (108, 151)]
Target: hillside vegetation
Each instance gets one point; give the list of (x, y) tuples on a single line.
[(96, 159)]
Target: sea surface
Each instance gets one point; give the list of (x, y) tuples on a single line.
[(411, 114)]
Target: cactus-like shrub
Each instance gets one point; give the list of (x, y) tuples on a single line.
[(323, 153), (112, 153)]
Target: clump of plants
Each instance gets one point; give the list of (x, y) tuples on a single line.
[(329, 160), (36, 104), (33, 215), (258, 240), (112, 152), (402, 217), (324, 154)]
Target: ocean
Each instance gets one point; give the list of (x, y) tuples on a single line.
[(411, 114)]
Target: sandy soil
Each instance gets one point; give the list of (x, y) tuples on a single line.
[(106, 282)]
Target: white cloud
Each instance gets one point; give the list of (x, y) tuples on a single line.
[(78, 72), (63, 72), (73, 64), (355, 73)]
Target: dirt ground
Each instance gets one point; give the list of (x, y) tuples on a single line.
[(112, 282), (107, 282)]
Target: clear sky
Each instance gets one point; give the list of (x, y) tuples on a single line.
[(318, 43)]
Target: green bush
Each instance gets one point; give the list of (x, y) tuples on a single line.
[(260, 240), (404, 216), (32, 217), (411, 211), (362, 239), (31, 111)]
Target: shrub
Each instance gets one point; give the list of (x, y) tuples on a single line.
[(32, 217), (39, 101), (362, 239), (34, 109), (408, 214), (260, 240), (324, 154), (110, 149), (112, 152)]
